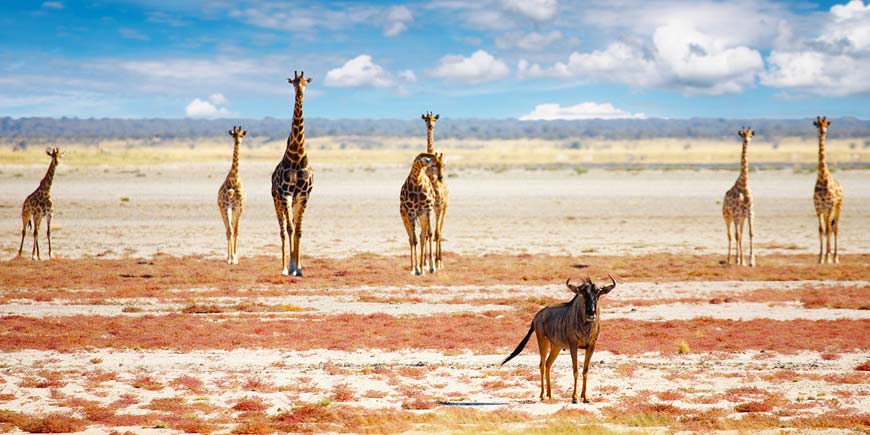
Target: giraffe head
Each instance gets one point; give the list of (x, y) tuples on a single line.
[(55, 153), (299, 81), (237, 133), (822, 124), (430, 161), (430, 119), (439, 166), (746, 134)]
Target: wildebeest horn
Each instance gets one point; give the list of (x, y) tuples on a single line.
[(610, 287)]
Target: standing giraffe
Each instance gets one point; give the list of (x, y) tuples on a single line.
[(292, 180), (440, 187), (417, 199), (827, 197), (231, 198), (737, 206), (37, 205)]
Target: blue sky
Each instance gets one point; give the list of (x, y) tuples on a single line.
[(527, 59)]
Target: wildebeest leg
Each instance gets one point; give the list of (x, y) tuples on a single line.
[(543, 348), (576, 372), (589, 350), (554, 352)]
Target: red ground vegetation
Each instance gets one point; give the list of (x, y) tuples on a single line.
[(151, 278), (484, 332)]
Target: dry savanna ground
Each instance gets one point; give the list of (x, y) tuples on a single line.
[(138, 326)]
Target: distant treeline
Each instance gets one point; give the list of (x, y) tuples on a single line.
[(106, 128)]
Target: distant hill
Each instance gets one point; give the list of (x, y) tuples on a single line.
[(106, 128)]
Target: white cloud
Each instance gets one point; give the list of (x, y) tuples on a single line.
[(203, 109), (678, 57), (617, 63), (408, 76), (818, 73), (540, 10), (698, 62), (480, 67), (849, 27), (397, 20), (52, 5), (533, 41), (218, 99), (587, 110), (834, 61), (128, 33), (359, 72)]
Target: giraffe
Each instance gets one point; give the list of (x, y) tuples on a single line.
[(417, 199), (39, 204), (737, 206), (231, 198), (440, 187), (292, 182), (827, 198)]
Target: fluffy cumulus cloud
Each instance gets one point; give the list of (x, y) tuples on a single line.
[(587, 110), (207, 109), (363, 72), (397, 19), (540, 10), (833, 62), (849, 27), (480, 67), (618, 63), (678, 56), (533, 41)]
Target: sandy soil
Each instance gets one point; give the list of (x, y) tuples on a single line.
[(172, 209)]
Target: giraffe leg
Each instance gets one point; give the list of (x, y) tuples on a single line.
[(237, 216), (821, 235), (48, 233), (439, 224), (828, 232), (728, 221), (751, 253), (586, 359), (738, 235), (835, 225), (281, 212), (25, 218), (299, 204), (412, 241), (229, 232), (426, 242), (37, 219)]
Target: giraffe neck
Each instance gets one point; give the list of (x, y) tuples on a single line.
[(234, 169), (45, 184), (418, 172), (743, 180), (430, 139), (296, 142), (823, 165)]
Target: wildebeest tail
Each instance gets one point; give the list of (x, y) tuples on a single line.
[(521, 345)]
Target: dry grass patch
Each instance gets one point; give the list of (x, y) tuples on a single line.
[(125, 278)]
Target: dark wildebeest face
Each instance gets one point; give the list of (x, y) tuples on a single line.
[(590, 293)]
